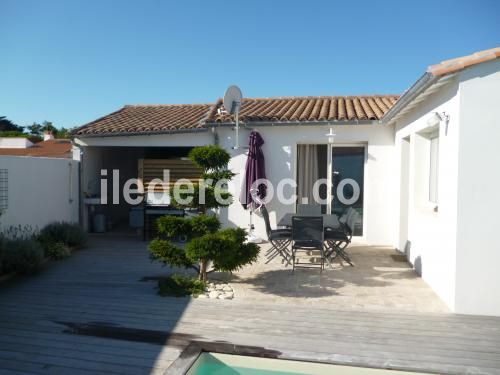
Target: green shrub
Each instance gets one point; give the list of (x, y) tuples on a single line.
[(57, 250), (166, 252), (19, 232), (173, 226), (69, 234), (2, 252), (180, 286), (226, 249), (22, 256), (210, 157)]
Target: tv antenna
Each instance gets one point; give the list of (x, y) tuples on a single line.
[(232, 104)]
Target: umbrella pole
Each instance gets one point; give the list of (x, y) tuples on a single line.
[(251, 235)]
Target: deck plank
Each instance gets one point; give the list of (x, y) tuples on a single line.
[(101, 286)]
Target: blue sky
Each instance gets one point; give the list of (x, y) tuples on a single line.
[(70, 62)]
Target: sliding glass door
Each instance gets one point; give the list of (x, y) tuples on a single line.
[(338, 167), (348, 167)]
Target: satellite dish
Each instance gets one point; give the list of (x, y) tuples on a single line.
[(232, 99), (232, 104)]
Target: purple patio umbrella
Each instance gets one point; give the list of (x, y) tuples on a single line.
[(254, 170)]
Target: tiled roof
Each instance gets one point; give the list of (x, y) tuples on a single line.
[(311, 109), (454, 65), (148, 119), (55, 148), (134, 119)]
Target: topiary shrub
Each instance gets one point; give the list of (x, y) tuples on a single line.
[(69, 234), (22, 256), (209, 249), (57, 250), (225, 250), (180, 286)]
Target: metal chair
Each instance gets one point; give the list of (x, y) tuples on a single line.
[(339, 239), (278, 238), (309, 209), (308, 235)]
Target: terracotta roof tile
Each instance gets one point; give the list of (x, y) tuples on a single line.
[(324, 108), (149, 119), (55, 148), (138, 119), (454, 65)]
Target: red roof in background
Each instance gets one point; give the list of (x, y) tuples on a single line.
[(54, 148)]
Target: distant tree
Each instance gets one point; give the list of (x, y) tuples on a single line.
[(7, 125), (48, 126), (35, 129)]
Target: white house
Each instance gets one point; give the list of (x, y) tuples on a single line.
[(425, 163)]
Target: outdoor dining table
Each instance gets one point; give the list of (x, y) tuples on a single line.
[(329, 220)]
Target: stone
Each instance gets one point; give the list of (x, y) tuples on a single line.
[(214, 294), (227, 288), (202, 296), (226, 296)]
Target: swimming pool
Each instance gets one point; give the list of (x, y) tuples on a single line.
[(229, 364)]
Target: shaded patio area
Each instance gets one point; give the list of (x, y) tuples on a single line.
[(380, 280)]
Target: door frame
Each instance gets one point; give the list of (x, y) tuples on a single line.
[(329, 163)]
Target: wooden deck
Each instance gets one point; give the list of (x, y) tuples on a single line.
[(93, 314)]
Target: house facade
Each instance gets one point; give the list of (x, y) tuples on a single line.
[(419, 168)]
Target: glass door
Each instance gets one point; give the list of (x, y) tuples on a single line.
[(347, 174)]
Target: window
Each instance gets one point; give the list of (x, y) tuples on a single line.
[(434, 170), (4, 196)]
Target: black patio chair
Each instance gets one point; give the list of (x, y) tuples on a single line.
[(308, 235), (279, 240), (308, 209), (339, 238)]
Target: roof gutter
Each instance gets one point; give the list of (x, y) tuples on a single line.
[(292, 123), (131, 134), (422, 84)]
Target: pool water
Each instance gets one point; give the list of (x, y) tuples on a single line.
[(227, 364)]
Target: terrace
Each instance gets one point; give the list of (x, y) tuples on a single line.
[(95, 313)]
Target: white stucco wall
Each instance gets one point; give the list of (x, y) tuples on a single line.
[(280, 154), (455, 248), (431, 236), (478, 250), (40, 191), (14, 142)]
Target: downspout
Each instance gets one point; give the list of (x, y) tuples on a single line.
[(80, 182)]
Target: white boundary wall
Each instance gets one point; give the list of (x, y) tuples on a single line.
[(40, 191)]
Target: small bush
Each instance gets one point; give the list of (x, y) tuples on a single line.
[(19, 232), (2, 252), (180, 286), (57, 251), (22, 256), (69, 234)]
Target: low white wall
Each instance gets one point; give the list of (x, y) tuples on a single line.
[(280, 156), (14, 142), (430, 240), (40, 191), (478, 250)]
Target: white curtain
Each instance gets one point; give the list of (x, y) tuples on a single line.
[(307, 172)]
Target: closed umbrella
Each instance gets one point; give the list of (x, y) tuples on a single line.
[(254, 170), (252, 193)]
